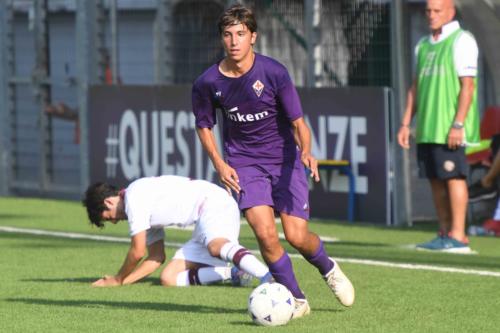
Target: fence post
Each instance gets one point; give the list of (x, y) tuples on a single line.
[(401, 185), (87, 64), (163, 43), (41, 75), (5, 95), (312, 13)]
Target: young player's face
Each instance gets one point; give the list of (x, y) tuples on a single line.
[(112, 213), (439, 13), (238, 41)]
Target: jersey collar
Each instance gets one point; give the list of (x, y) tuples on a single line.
[(446, 31)]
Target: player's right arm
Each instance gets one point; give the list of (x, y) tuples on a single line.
[(135, 254), (155, 258), (204, 108), (227, 174), (404, 129)]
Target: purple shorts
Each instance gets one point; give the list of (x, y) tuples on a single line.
[(281, 186)]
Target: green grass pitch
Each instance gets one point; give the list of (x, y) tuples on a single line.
[(45, 282)]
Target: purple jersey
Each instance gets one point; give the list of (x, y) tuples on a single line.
[(258, 108)]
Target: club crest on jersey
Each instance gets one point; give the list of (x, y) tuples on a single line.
[(258, 87)]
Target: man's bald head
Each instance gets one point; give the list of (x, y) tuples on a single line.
[(439, 13)]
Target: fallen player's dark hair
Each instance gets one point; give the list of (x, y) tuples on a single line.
[(94, 201)]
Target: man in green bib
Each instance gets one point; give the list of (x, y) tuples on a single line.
[(443, 100)]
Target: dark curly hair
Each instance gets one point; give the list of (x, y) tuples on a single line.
[(94, 201), (237, 14)]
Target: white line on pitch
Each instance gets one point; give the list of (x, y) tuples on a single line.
[(73, 235), (419, 267), (346, 260)]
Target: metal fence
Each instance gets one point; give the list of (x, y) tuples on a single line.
[(327, 43), (323, 43)]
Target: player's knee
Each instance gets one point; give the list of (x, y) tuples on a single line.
[(215, 246), (168, 279), (266, 235), (296, 238), (269, 244), (213, 250)]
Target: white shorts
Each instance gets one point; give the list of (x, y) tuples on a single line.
[(197, 252), (219, 219)]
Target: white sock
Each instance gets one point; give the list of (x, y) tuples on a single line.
[(244, 259), (203, 276)]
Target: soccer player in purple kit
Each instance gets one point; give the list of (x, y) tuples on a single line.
[(266, 145)]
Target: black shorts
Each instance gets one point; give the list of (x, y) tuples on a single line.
[(438, 161)]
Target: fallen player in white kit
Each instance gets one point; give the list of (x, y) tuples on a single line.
[(152, 203)]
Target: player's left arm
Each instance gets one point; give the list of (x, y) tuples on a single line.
[(303, 138), (465, 58), (135, 253), (456, 136), (290, 103)]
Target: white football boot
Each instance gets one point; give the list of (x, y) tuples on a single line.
[(302, 308), (340, 285)]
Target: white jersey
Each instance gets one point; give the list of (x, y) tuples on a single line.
[(157, 202)]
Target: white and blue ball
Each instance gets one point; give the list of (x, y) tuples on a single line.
[(271, 304)]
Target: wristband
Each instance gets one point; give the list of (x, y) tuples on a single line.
[(457, 125)]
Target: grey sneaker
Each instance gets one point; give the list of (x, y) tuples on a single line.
[(434, 244), (340, 285), (240, 277), (451, 245), (445, 244), (302, 308)]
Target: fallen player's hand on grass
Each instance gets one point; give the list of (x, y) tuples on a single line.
[(107, 281)]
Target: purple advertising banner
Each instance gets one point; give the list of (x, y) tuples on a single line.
[(140, 131), (350, 124)]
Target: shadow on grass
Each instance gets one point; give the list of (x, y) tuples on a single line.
[(100, 304), (360, 244), (59, 280), (250, 323), (243, 323), (4, 217), (86, 280)]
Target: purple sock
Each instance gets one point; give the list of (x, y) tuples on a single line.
[(282, 272), (320, 260)]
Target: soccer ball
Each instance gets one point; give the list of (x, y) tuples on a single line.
[(271, 304)]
